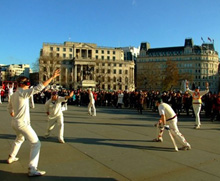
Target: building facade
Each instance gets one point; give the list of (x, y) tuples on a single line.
[(86, 65), (200, 63), (13, 71)]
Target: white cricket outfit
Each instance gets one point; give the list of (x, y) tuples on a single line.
[(197, 103), (55, 115), (91, 105), (170, 116), (19, 104), (10, 91)]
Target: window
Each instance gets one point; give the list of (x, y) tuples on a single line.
[(113, 58), (58, 55), (51, 48), (70, 55), (64, 55), (113, 52), (120, 71), (97, 51), (58, 49), (97, 57), (70, 49), (103, 58), (103, 52), (108, 57), (109, 71), (108, 52), (64, 49), (126, 71), (114, 71)]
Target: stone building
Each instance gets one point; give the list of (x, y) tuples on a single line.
[(86, 65), (13, 71), (199, 62)]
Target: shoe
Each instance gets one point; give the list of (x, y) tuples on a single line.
[(47, 135), (184, 148), (32, 172), (158, 140), (61, 141), (197, 127), (12, 159)]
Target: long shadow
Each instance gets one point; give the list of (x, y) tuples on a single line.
[(100, 142), (7, 136), (10, 176), (110, 124), (108, 142)]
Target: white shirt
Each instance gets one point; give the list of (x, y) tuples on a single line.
[(19, 104), (54, 107), (91, 98), (10, 89), (120, 98), (165, 109)]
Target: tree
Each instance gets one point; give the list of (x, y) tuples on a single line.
[(35, 66), (48, 63), (150, 77), (171, 74)]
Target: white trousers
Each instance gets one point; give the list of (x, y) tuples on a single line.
[(197, 109), (175, 132), (60, 123), (92, 106), (28, 133)]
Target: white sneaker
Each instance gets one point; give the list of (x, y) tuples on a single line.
[(32, 172), (158, 140), (61, 141), (185, 148), (197, 127), (12, 159), (47, 135)]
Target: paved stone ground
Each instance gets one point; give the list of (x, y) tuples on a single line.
[(115, 145)]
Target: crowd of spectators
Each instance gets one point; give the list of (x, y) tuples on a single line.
[(181, 102), (140, 100)]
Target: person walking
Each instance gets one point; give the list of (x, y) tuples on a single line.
[(18, 108), (168, 120), (197, 102), (55, 114), (91, 104), (10, 90)]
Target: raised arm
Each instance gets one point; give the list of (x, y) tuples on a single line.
[(55, 74)]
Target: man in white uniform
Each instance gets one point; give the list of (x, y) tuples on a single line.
[(169, 120), (55, 115), (10, 90), (18, 108), (197, 102), (91, 104)]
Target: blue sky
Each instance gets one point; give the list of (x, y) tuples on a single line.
[(27, 24)]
